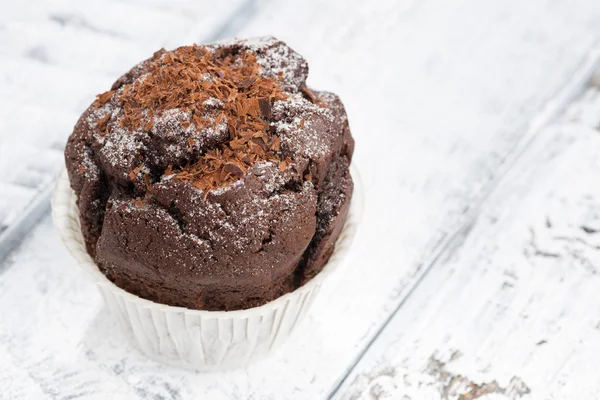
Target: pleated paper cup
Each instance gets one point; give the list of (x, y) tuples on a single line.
[(198, 339)]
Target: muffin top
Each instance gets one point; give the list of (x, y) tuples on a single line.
[(206, 169)]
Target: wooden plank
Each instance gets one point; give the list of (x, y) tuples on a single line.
[(56, 57), (512, 310), (439, 96)]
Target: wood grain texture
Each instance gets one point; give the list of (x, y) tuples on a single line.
[(514, 307), (441, 97)]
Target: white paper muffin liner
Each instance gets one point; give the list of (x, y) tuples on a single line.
[(198, 339)]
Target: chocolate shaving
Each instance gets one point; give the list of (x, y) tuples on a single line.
[(308, 94), (134, 173), (255, 147), (204, 83), (265, 107), (101, 125), (138, 202), (149, 124), (276, 143), (148, 184), (102, 98), (282, 166), (157, 54), (247, 82), (235, 168)]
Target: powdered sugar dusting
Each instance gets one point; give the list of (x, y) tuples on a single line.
[(298, 105), (255, 219), (95, 116), (121, 147), (206, 77), (280, 61), (213, 102), (299, 124), (224, 189), (276, 59), (90, 169), (169, 122), (271, 179), (238, 224), (254, 43)]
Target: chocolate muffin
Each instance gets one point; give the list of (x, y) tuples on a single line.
[(211, 177)]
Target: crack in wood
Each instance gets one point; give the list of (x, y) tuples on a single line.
[(589, 230), (536, 250), (13, 235)]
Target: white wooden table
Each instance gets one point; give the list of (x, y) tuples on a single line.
[(475, 273)]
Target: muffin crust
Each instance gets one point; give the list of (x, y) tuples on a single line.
[(211, 177)]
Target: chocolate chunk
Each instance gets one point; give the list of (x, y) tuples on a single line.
[(265, 107)]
